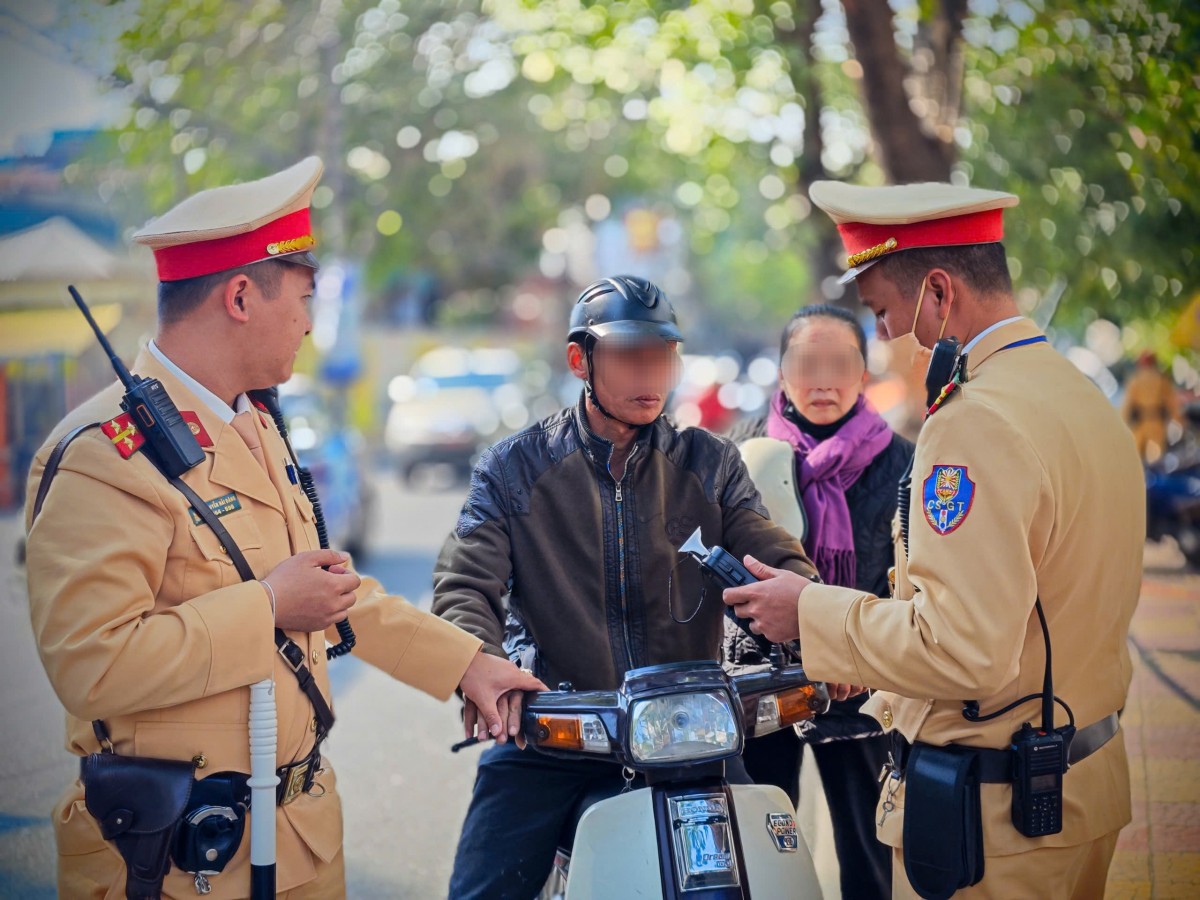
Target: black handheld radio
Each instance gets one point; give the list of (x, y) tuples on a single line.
[(169, 440), (942, 361), (1039, 761), (1039, 758)]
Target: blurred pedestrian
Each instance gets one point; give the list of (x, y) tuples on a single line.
[(823, 457), (1151, 402)]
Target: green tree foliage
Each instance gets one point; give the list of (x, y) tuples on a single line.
[(457, 134), (1087, 110), (1091, 114)]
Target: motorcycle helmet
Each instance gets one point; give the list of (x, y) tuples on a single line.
[(625, 305)]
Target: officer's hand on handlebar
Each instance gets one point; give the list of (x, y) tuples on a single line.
[(843, 691), (508, 707), (492, 688), (770, 603), (309, 598)]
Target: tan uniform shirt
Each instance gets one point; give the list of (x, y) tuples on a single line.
[(141, 620), (1048, 501)]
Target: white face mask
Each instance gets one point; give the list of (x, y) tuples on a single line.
[(909, 355)]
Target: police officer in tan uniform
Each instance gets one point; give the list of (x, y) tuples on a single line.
[(1026, 487), (142, 621)]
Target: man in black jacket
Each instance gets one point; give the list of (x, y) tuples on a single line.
[(569, 537)]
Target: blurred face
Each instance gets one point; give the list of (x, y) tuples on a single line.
[(823, 371), (894, 312), (279, 324), (632, 377)]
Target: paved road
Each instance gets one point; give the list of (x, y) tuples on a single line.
[(405, 794)]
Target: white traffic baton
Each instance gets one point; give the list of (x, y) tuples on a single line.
[(263, 781)]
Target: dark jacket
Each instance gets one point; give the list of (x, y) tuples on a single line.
[(582, 564), (872, 504)]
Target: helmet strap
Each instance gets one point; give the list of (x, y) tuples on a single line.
[(589, 388)]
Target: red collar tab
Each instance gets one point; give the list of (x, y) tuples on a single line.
[(196, 427)]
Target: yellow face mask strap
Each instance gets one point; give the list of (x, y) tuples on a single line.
[(917, 314), (945, 321)]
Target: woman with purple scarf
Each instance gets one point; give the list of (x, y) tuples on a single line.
[(841, 491)]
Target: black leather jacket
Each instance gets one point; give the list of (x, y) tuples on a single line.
[(582, 564)]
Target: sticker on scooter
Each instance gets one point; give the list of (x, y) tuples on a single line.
[(783, 831)]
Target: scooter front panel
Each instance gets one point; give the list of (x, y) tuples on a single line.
[(773, 867), (615, 855)]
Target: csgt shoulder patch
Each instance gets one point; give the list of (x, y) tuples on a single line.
[(946, 498)]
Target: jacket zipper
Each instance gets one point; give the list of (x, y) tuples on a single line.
[(619, 497)]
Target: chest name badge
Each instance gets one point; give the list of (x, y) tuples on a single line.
[(221, 506), (946, 498)]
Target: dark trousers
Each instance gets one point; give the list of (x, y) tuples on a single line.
[(521, 802), (850, 774)]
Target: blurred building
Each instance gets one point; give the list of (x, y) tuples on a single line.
[(49, 360)]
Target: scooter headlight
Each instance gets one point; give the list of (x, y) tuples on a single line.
[(684, 727)]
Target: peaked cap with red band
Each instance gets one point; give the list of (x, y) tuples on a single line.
[(227, 227), (877, 221)]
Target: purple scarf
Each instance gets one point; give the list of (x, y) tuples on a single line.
[(826, 470)]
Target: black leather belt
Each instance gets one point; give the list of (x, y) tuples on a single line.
[(995, 766), (295, 778)]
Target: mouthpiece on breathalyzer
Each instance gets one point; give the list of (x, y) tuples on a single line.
[(693, 546), (717, 562)]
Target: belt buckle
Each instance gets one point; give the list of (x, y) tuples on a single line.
[(292, 655), (294, 786)]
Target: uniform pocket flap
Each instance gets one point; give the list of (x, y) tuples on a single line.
[(242, 528), (211, 747)]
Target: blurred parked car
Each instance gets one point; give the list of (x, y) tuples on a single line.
[(336, 455), (453, 404)]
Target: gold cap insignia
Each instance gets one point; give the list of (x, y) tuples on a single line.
[(871, 253), (292, 245)]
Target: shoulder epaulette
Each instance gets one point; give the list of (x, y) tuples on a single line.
[(124, 434)]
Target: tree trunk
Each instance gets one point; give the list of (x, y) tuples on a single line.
[(329, 136), (906, 150), (825, 254)]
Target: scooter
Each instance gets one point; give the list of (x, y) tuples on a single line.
[(688, 833)]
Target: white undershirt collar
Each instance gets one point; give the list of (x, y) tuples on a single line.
[(219, 407), (979, 337)]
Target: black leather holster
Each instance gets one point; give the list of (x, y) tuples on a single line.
[(138, 803)]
